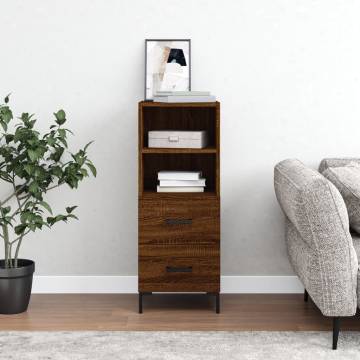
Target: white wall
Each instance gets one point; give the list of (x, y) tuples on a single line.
[(287, 75)]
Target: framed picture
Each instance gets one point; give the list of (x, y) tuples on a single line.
[(167, 66)]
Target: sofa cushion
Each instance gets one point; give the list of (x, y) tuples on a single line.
[(312, 203), (336, 162), (347, 180)]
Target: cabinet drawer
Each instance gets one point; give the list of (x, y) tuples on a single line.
[(170, 222), (179, 274)]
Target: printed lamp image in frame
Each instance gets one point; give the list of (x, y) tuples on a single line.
[(167, 66)]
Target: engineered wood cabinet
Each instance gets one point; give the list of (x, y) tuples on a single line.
[(179, 233)]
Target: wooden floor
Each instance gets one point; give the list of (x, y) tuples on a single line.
[(171, 312)]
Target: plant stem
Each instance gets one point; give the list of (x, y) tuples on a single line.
[(10, 256), (6, 244), (13, 194), (17, 251), (53, 187), (20, 237)]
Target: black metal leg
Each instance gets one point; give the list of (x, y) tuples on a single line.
[(306, 296), (336, 330), (217, 297), (140, 303)]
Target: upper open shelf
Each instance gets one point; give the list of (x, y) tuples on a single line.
[(193, 118)]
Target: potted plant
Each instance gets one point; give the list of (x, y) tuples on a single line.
[(31, 165)]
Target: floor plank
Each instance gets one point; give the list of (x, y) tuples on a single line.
[(171, 312)]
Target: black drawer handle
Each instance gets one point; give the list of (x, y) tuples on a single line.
[(173, 269), (178, 221)]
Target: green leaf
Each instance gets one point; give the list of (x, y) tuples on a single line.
[(56, 155), (3, 125), (25, 117), (29, 168), (60, 218), (68, 130), (56, 171), (50, 220), (60, 117), (32, 155), (26, 216), (40, 151), (70, 209), (6, 210), (6, 114), (62, 133), (19, 229), (73, 216), (87, 145), (9, 138), (7, 98), (45, 205), (63, 141), (51, 141), (33, 187), (92, 168)]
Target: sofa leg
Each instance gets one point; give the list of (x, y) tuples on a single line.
[(336, 330), (306, 296)]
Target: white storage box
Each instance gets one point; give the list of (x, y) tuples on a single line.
[(177, 139)]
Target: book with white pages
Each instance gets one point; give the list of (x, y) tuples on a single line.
[(180, 189), (184, 99), (172, 183), (182, 93), (179, 175)]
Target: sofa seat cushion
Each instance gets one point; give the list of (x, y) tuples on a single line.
[(347, 180)]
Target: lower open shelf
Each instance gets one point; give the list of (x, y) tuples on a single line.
[(153, 163)]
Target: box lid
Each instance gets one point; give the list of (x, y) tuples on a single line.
[(182, 135)]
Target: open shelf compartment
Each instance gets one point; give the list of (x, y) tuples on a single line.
[(153, 163), (180, 118)]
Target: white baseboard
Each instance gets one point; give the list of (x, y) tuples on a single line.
[(128, 284)]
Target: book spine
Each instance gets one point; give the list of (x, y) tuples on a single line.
[(178, 177), (184, 99), (176, 183), (182, 93), (180, 189)]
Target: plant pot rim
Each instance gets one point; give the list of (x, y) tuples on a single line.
[(26, 268)]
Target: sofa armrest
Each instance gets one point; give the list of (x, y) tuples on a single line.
[(330, 277), (318, 216)]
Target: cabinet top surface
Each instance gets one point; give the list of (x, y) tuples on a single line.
[(191, 104)]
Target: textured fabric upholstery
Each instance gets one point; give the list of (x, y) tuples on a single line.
[(356, 242), (318, 239), (347, 181), (336, 162)]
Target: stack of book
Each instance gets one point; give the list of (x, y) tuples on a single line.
[(180, 181), (183, 96)]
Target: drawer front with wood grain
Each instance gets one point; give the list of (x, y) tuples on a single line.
[(179, 245), (182, 274), (170, 222)]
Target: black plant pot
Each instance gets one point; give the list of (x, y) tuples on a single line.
[(15, 286)]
